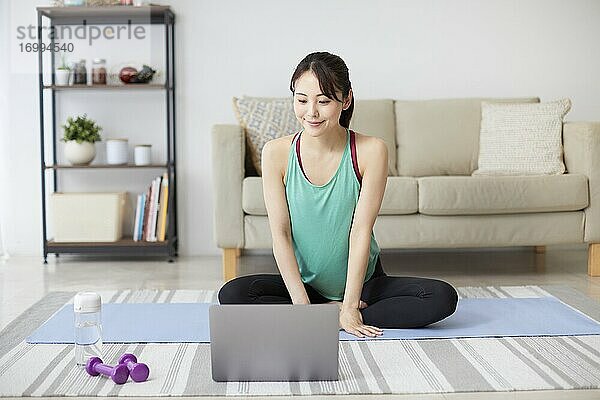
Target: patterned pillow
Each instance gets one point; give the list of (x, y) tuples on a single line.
[(522, 139), (264, 119)]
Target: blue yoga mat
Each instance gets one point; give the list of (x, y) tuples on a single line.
[(188, 322)]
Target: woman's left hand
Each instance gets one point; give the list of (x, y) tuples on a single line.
[(351, 321)]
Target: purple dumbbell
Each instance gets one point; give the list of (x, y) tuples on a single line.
[(119, 374), (139, 371)]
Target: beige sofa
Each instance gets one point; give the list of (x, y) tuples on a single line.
[(431, 200)]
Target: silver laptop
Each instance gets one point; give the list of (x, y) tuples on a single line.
[(274, 342)]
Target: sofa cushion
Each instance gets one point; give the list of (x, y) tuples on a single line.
[(440, 137), (264, 119), (459, 231), (400, 196), (468, 195), (253, 199), (376, 118), (522, 139)]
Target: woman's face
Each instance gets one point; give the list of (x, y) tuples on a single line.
[(316, 112)]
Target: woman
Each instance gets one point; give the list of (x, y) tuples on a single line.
[(323, 188)]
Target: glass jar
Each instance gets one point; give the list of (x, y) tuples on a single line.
[(99, 71), (80, 73)]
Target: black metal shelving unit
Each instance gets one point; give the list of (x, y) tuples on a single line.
[(161, 15)]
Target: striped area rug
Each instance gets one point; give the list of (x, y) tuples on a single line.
[(394, 366)]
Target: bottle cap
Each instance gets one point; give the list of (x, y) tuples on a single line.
[(87, 302)]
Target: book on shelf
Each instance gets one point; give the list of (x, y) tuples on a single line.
[(164, 201), (141, 219), (151, 211), (146, 211), (154, 209), (136, 225)]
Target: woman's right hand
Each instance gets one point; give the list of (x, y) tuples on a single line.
[(351, 321)]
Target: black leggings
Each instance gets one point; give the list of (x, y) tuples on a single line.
[(393, 302)]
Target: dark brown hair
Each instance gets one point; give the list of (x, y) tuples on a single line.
[(332, 74)]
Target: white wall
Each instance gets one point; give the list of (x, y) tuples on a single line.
[(4, 32), (394, 49)]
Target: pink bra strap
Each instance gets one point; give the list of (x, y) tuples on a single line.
[(354, 157), (298, 153)]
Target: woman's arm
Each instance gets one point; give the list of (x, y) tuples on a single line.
[(273, 166), (369, 203)]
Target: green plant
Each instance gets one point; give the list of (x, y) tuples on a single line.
[(81, 129), (63, 63)]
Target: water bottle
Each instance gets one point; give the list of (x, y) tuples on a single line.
[(88, 326)]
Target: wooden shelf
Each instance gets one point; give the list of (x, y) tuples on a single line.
[(126, 241), (105, 166), (130, 86), (124, 246), (76, 15)]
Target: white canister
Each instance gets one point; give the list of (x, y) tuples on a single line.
[(116, 151), (142, 154), (61, 77)]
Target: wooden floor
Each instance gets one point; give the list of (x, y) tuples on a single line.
[(25, 280)]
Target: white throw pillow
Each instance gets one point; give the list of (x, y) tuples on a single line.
[(522, 139)]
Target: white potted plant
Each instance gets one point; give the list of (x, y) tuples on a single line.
[(62, 73), (80, 135)]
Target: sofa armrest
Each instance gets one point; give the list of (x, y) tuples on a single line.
[(581, 141), (228, 153)]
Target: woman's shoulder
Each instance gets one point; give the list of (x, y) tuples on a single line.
[(284, 140), (370, 145), (367, 141), (278, 149), (280, 146), (368, 148)]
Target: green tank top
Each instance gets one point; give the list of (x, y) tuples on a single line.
[(321, 218)]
